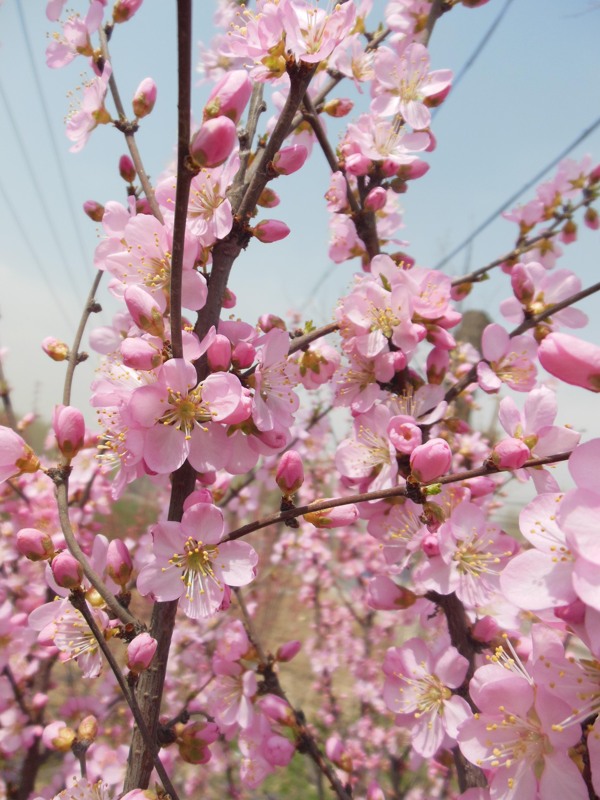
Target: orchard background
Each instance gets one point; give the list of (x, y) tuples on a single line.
[(288, 684)]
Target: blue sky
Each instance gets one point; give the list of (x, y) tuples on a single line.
[(534, 89)]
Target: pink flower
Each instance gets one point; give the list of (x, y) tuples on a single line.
[(190, 565), (508, 360), (92, 112), (571, 360), (311, 33), (418, 688), (403, 83)]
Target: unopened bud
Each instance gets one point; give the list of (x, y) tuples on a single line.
[(289, 159), (67, 571), (591, 218), (219, 354), (384, 595), (333, 517), (212, 144), (338, 107), (125, 9), (144, 98), (126, 169), (88, 730), (94, 210), (268, 198), (57, 350), (58, 736), (68, 425), (144, 309), (118, 562), (376, 199), (266, 322), (430, 460), (140, 652), (270, 230), (229, 96), (290, 473), (35, 545), (288, 650)]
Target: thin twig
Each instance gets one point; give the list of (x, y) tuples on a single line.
[(91, 307)]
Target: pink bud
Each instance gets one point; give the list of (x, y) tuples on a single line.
[(68, 425), (15, 455), (144, 98), (522, 283), (569, 232), (277, 710), (266, 322), (376, 199), (140, 354), (338, 107), (591, 218), (375, 792), (430, 460), (212, 144), (485, 629), (219, 354), (571, 360), (144, 309), (573, 614), (337, 754), (333, 517), (94, 210), (410, 172), (357, 164), (289, 159), (140, 794), (229, 96), (438, 362), (243, 355), (118, 562), (35, 545), (126, 169), (288, 650), (67, 570), (87, 730), (140, 652), (58, 736), (290, 473), (268, 198), (278, 750), (57, 350), (510, 454), (384, 595), (430, 545), (229, 299), (270, 230), (125, 9)]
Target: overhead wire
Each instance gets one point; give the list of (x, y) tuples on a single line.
[(515, 196), (39, 191), (34, 256), (76, 220)]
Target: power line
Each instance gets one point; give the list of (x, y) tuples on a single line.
[(492, 217), (34, 256), (57, 156), (38, 190)]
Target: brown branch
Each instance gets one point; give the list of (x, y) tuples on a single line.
[(75, 357), (78, 600), (382, 494), (128, 129)]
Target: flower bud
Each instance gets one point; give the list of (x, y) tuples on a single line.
[(268, 198), (140, 652), (338, 107), (125, 9), (289, 159), (94, 210), (404, 434), (229, 96), (68, 425), (277, 710), (144, 309), (194, 740), (118, 562), (140, 354), (290, 473), (510, 454), (333, 517), (88, 729), (126, 169), (57, 350), (438, 362), (485, 629), (144, 98), (15, 456), (140, 794), (212, 144), (243, 355), (67, 570), (219, 354), (571, 360), (35, 545), (336, 753), (288, 650), (270, 230), (58, 736), (278, 750), (384, 595), (376, 199), (591, 218), (229, 299), (568, 233), (430, 460), (267, 322), (573, 614)]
